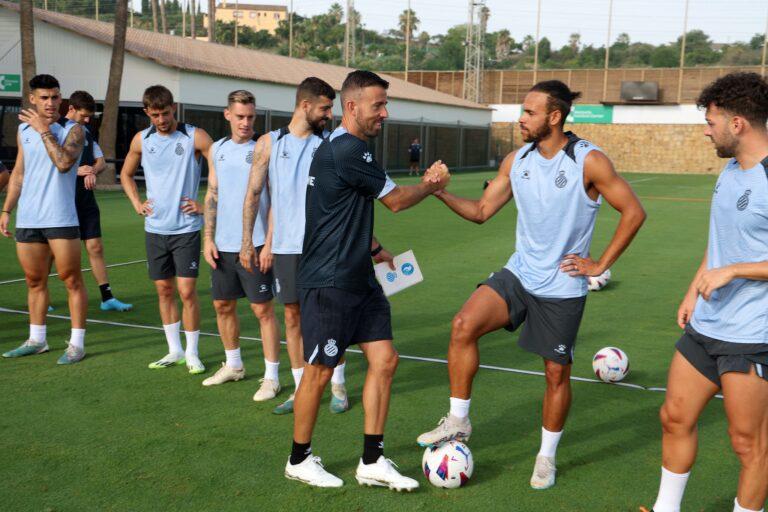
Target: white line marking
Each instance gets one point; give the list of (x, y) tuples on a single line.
[(11, 281), (641, 180), (356, 351)]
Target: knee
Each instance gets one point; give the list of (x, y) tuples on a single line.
[(165, 291), (72, 280), (94, 247), (188, 294), (556, 374), (462, 329), (264, 312), (224, 307), (317, 375), (36, 282), (745, 445), (292, 317), (673, 417), (386, 365)]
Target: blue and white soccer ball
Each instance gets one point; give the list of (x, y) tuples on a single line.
[(449, 465), (610, 364), (596, 283)]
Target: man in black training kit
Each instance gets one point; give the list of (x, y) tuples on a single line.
[(340, 300)]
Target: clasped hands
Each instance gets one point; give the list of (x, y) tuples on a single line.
[(437, 176)]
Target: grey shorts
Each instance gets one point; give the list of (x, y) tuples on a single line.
[(42, 235), (173, 255), (550, 326), (285, 268), (712, 358), (230, 281)]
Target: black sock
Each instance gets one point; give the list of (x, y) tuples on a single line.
[(106, 292), (300, 452), (373, 447)]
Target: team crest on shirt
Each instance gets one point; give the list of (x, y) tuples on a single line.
[(249, 157), (221, 157), (743, 201), (179, 149), (368, 157), (152, 150), (285, 154), (561, 181), (330, 348), (526, 174)]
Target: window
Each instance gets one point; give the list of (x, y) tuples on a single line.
[(253, 14), (237, 14), (277, 16)]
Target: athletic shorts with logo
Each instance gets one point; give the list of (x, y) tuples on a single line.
[(285, 268), (230, 281), (549, 325), (173, 255), (712, 357), (332, 319), (42, 235)]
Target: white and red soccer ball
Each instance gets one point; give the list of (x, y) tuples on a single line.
[(449, 465), (610, 364), (597, 283)]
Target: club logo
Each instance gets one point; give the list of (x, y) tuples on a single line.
[(193, 265), (311, 181), (221, 157), (152, 150), (330, 348), (249, 157), (561, 181), (407, 269), (391, 276), (26, 140), (526, 175), (743, 201), (368, 157), (263, 288), (179, 149), (561, 350), (284, 154)]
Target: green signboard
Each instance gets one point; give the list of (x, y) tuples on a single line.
[(595, 114), (10, 83)]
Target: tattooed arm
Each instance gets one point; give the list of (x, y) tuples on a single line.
[(63, 156), (256, 180), (210, 252), (14, 190)]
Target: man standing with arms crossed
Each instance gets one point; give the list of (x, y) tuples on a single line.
[(169, 153), (43, 184)]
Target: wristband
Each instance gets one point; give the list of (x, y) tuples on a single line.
[(7, 211), (377, 250)]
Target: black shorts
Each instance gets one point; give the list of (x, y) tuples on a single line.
[(173, 255), (230, 281), (332, 319), (414, 160), (712, 358), (90, 222), (549, 325), (285, 267), (42, 235)]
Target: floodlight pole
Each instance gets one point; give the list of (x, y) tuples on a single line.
[(183, 20), (536, 48), (290, 29), (346, 33), (237, 6), (682, 55), (97, 10), (765, 45), (607, 51), (407, 38)]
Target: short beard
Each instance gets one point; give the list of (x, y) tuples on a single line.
[(317, 125), (543, 133), (727, 149)]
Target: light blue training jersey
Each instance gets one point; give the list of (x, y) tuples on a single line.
[(233, 165), (555, 217), (289, 161), (47, 196), (171, 172), (738, 233)]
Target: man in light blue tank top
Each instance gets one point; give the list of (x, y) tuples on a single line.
[(169, 153), (229, 164), (724, 313), (286, 154), (557, 181), (43, 185)]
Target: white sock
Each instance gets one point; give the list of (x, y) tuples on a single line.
[(173, 337), (270, 370), (739, 508), (460, 407), (77, 338), (233, 358), (338, 374), (671, 491), (549, 441), (37, 333), (192, 338), (297, 373)]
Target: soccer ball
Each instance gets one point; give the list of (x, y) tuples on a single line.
[(610, 364), (449, 465), (596, 283)]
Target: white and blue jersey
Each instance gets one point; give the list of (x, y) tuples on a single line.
[(738, 233), (171, 172), (233, 165), (555, 217), (289, 161), (47, 196)]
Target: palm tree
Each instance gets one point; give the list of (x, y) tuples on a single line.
[(402, 23), (193, 20), (154, 15), (112, 101), (212, 21), (28, 64), (162, 16)]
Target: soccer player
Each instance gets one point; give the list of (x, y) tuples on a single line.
[(414, 156), (341, 302), (229, 164), (557, 181), (285, 156), (81, 109), (169, 152), (43, 185), (724, 313)]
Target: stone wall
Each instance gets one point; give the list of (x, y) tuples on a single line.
[(665, 148)]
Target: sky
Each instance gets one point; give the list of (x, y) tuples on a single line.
[(652, 21)]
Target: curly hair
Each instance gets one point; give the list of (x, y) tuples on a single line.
[(741, 94)]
